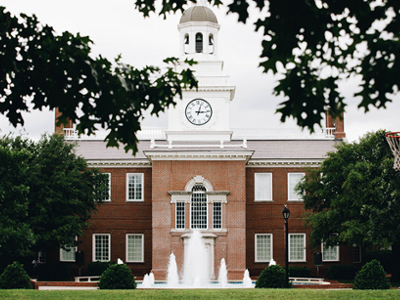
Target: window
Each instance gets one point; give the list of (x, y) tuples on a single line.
[(198, 207), (211, 43), (330, 253), (263, 186), (199, 42), (68, 254), (134, 248), (180, 215), (134, 187), (101, 247), (297, 247), (263, 247), (356, 254), (217, 215), (186, 44), (107, 196), (293, 180)]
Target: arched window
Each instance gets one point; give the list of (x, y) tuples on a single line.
[(211, 44), (199, 42), (198, 207), (186, 44)]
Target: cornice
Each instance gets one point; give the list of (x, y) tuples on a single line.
[(199, 155), (142, 163), (284, 163)]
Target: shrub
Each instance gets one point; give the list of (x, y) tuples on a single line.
[(341, 272), (97, 268), (272, 277), (117, 277), (299, 272), (15, 277), (385, 257), (54, 271), (371, 276)]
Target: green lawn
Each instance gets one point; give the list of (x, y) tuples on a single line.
[(200, 294)]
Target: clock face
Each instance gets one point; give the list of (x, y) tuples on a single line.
[(198, 112)]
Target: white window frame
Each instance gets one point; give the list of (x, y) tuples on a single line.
[(360, 254), (128, 175), (327, 249), (213, 215), (65, 252), (109, 187), (141, 260), (256, 259), (304, 247), (290, 190), (94, 246), (193, 225), (259, 182)]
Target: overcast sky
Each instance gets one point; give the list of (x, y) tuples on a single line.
[(116, 28)]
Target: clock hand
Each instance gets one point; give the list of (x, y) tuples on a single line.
[(199, 108)]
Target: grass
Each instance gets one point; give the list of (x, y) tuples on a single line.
[(199, 294)]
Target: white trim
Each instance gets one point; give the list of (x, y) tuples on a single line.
[(283, 163), (304, 243), (94, 246), (337, 252), (109, 163), (255, 246), (241, 155), (288, 185), (176, 215), (128, 175), (126, 248), (257, 186)]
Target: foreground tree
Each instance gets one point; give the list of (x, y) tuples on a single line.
[(47, 194), (354, 196), (313, 45)]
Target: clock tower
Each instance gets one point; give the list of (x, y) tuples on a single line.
[(202, 114)]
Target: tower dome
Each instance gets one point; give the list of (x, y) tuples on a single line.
[(198, 14)]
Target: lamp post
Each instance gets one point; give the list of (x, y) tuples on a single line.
[(286, 214)]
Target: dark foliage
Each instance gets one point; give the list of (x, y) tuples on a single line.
[(299, 271), (341, 272), (272, 277), (117, 277), (54, 271), (371, 277), (96, 268), (385, 257), (15, 277)]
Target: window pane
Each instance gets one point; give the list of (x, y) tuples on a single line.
[(296, 247), (106, 196), (135, 187), (330, 253), (198, 207), (263, 186), (68, 255), (263, 247), (356, 254), (217, 215), (293, 180), (134, 248), (101, 247), (180, 215)]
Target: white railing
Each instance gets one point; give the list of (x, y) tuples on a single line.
[(238, 134)]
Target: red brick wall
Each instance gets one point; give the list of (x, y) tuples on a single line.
[(224, 176), (119, 218)]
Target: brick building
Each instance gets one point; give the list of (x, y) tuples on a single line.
[(200, 173)]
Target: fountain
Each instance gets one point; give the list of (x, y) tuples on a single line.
[(172, 275), (223, 274), (247, 283), (148, 280)]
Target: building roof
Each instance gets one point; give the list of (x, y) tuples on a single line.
[(198, 14), (263, 149)]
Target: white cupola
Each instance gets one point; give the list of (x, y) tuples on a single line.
[(198, 29)]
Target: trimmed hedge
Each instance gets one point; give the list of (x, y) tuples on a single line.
[(341, 272), (385, 257), (117, 277), (299, 272), (57, 271), (272, 277), (372, 276), (15, 277), (97, 268)]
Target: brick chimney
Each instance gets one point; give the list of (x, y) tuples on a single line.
[(60, 129), (338, 124)]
